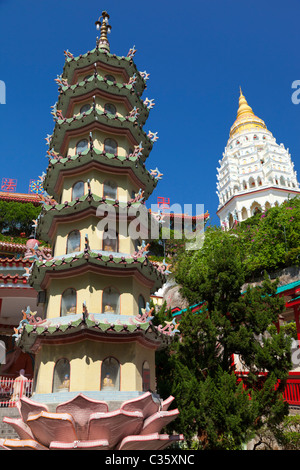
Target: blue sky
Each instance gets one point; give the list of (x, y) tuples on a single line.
[(198, 53)]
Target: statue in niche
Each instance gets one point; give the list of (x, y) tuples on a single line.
[(108, 308), (65, 385), (107, 382)]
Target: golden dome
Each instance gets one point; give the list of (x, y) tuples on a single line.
[(245, 119)]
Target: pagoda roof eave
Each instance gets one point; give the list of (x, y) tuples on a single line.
[(107, 59), (74, 328), (95, 157), (96, 120), (94, 260)]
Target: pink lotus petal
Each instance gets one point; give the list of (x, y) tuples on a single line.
[(149, 442), (27, 444), (100, 444), (48, 427), (81, 409), (144, 403), (115, 425), (2, 446), (166, 403), (156, 422), (27, 406), (20, 427), (166, 440)]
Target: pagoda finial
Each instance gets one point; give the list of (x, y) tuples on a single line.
[(105, 29)]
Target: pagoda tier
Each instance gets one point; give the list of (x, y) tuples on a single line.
[(53, 222), (122, 93), (99, 125)]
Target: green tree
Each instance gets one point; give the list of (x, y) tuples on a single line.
[(16, 217), (221, 411)]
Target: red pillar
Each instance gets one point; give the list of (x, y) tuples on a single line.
[(296, 314)]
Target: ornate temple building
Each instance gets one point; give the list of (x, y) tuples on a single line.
[(255, 172), (94, 344)]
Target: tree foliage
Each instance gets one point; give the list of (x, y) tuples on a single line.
[(217, 406), (17, 217)]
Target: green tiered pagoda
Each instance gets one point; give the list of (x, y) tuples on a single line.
[(95, 343)]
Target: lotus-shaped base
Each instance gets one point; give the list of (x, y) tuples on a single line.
[(83, 423)]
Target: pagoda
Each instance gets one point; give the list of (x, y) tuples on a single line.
[(94, 345), (255, 173)]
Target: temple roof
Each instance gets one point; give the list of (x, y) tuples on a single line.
[(245, 119), (35, 199)]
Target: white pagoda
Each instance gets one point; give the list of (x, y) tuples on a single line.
[(255, 172)]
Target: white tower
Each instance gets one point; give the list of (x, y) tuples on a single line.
[(255, 172)]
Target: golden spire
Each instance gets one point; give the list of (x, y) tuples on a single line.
[(245, 119), (105, 29)]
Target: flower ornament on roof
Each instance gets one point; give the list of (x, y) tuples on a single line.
[(48, 139), (68, 54), (159, 217), (145, 75), (61, 81), (134, 113), (149, 103), (131, 52), (132, 80), (152, 136), (170, 328), (139, 197), (142, 250), (138, 151), (156, 173), (146, 313)]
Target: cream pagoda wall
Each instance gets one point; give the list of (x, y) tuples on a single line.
[(89, 288), (85, 367)]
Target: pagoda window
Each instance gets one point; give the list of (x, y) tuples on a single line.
[(110, 374), (282, 181), (110, 146), (111, 78), (142, 304), (259, 182), (110, 189), (77, 190), (251, 183), (146, 377), (73, 241), (110, 300), (85, 108), (110, 108), (82, 145), (68, 302), (110, 240), (244, 213), (61, 376)]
